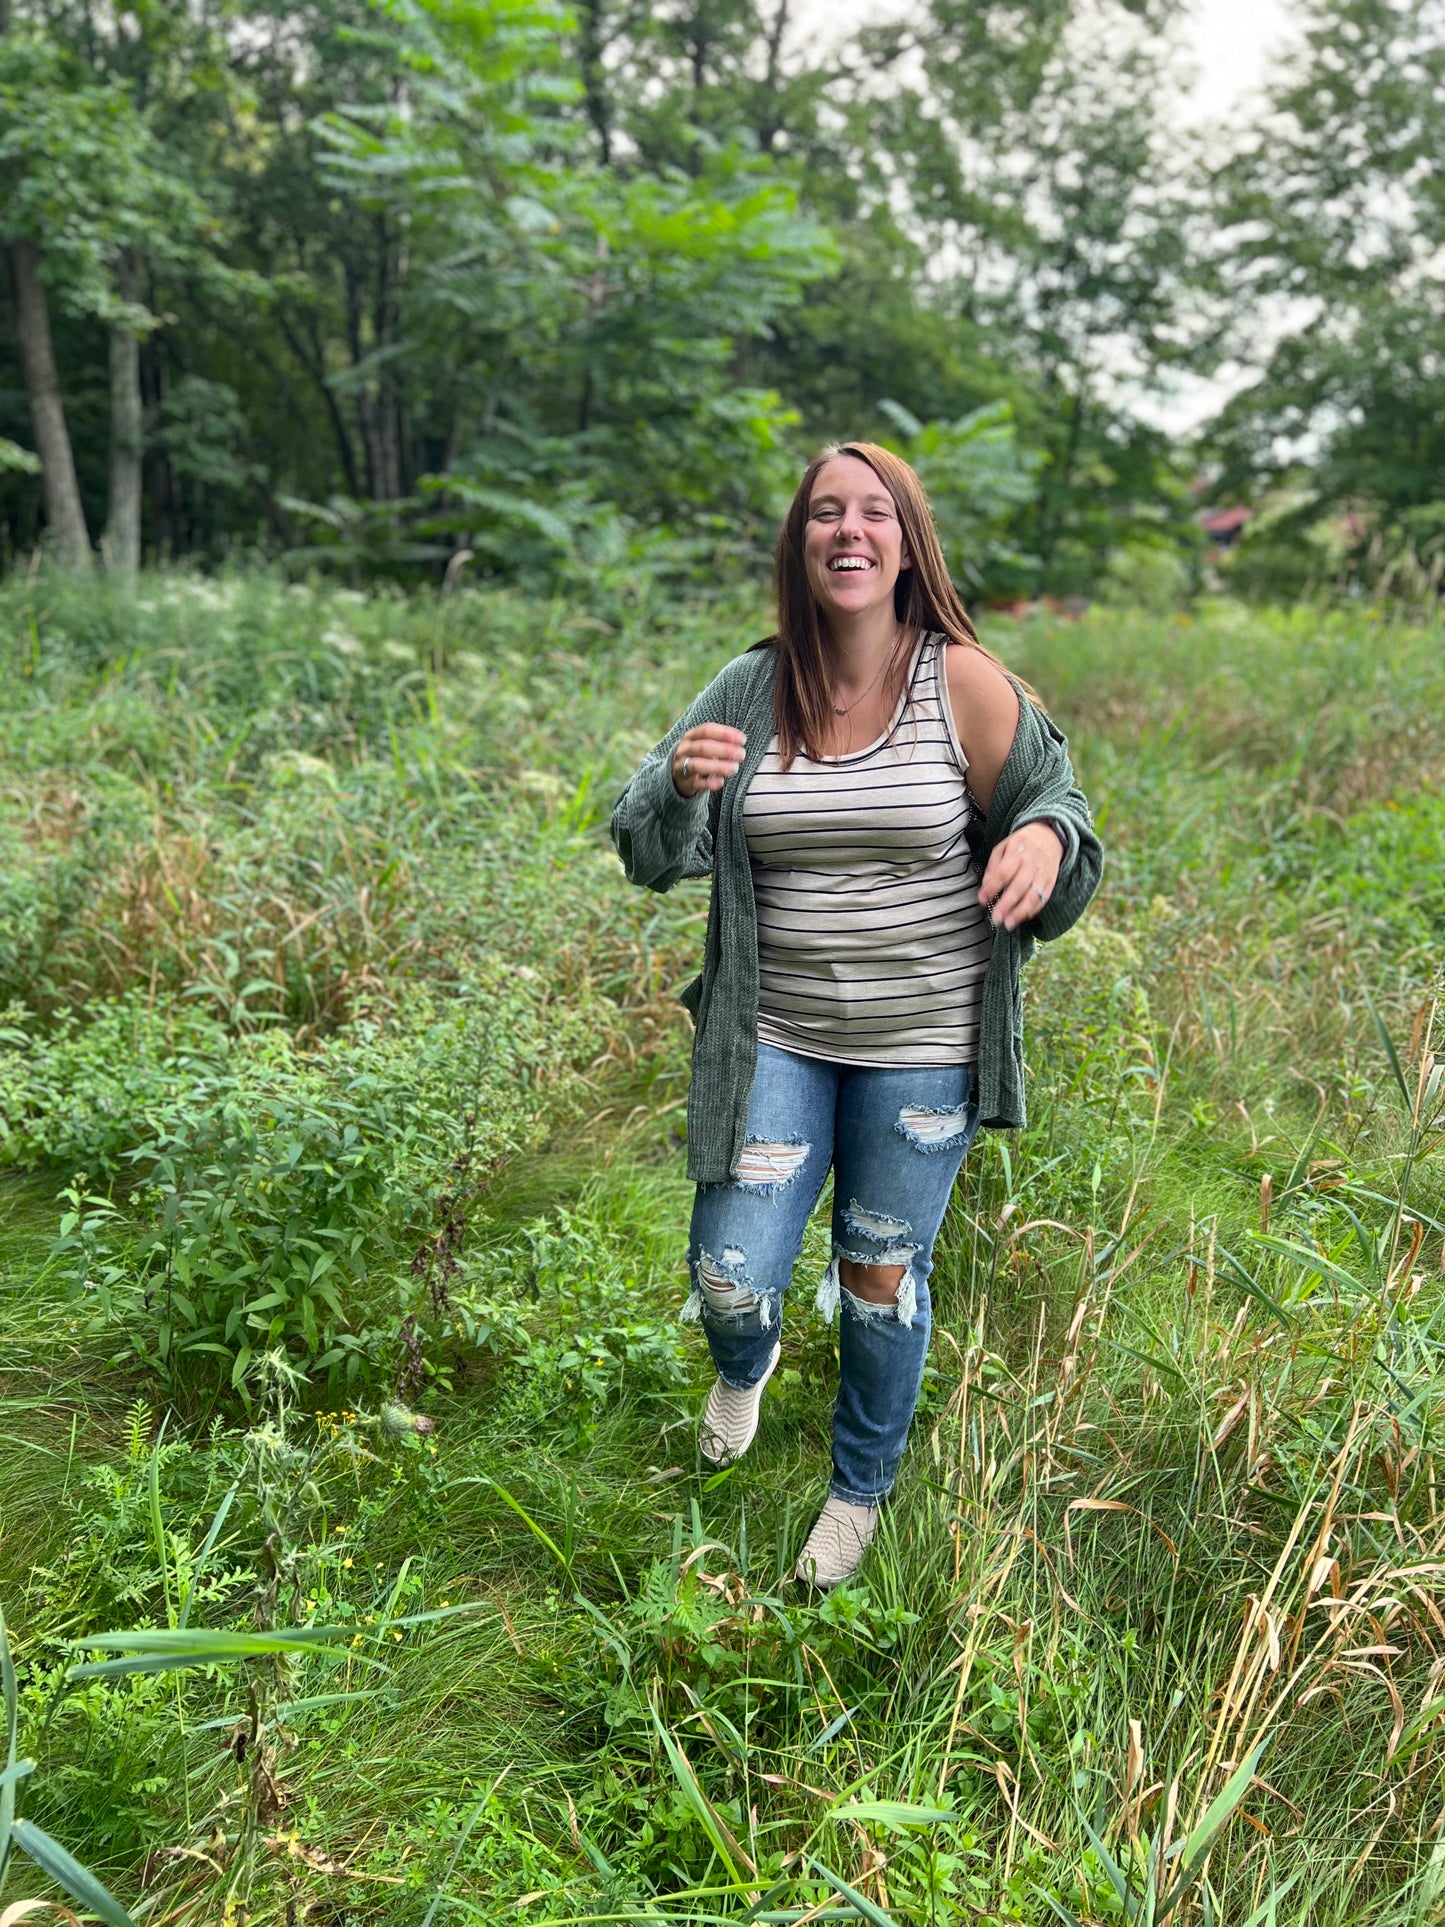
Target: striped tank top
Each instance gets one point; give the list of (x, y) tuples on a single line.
[(872, 946)]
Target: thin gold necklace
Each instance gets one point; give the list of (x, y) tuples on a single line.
[(840, 710)]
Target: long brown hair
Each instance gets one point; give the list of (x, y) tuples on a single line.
[(924, 600)]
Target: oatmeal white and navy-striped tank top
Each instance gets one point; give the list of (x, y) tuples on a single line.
[(872, 947)]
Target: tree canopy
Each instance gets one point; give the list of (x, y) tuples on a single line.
[(400, 284)]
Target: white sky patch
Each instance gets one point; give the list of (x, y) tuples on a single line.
[(1231, 51), (1234, 46)]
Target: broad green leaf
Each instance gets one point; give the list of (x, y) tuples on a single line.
[(713, 1825), (1390, 1052), (892, 1813), (860, 1903), (1065, 1914), (1111, 1867), (502, 1493), (1195, 1848), (1267, 1912), (189, 1593), (163, 1652), (66, 1871)]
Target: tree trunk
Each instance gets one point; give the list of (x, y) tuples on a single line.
[(593, 49), (63, 510), (772, 124), (1054, 496), (385, 325), (122, 535)]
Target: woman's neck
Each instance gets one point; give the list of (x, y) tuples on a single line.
[(860, 644)]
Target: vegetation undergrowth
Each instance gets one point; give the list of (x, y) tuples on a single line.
[(355, 1554)]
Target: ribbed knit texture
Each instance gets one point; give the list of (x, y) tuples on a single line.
[(663, 838)]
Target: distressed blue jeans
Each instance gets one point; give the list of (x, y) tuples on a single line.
[(894, 1140)]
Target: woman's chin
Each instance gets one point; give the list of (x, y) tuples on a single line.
[(850, 603)]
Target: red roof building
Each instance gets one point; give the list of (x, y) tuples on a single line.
[(1222, 526)]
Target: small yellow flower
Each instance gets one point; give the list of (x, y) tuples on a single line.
[(348, 1562), (396, 1635)]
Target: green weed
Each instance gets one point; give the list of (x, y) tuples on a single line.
[(1153, 1629)]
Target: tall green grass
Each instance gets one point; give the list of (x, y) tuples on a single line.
[(1154, 1630)]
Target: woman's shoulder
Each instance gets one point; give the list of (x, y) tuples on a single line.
[(980, 685)]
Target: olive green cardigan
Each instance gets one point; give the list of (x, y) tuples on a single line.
[(663, 837)]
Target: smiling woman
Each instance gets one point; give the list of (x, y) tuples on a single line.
[(888, 819)]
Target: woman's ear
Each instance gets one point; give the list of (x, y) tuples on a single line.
[(905, 561)]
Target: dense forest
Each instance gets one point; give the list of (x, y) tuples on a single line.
[(416, 285)]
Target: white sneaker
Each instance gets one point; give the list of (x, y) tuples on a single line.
[(730, 1418), (842, 1535)]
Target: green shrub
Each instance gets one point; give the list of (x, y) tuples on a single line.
[(277, 1196)]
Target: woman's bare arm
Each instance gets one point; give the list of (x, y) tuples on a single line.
[(985, 715), (1024, 867)]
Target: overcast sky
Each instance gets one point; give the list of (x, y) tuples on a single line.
[(1232, 42), (1234, 47)]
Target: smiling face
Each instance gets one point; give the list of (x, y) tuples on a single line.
[(853, 546)]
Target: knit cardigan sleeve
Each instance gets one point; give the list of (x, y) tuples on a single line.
[(661, 836), (1036, 785)]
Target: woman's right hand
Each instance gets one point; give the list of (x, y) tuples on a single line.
[(706, 757)]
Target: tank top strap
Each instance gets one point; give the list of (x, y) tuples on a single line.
[(931, 698)]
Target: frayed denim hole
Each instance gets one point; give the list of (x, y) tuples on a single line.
[(932, 1128), (900, 1311), (902, 1307), (767, 1165), (888, 1255), (874, 1224), (828, 1290), (725, 1295)]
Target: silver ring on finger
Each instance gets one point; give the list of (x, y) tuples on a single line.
[(1040, 894), (686, 766)]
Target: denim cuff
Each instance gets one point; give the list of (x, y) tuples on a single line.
[(836, 1491)]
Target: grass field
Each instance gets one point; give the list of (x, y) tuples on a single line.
[(341, 1101)]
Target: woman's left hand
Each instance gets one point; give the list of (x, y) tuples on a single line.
[(1021, 875)]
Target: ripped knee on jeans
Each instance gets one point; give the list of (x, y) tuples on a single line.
[(879, 1243), (724, 1294), (896, 1305)]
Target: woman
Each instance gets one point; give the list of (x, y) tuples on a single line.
[(888, 821)]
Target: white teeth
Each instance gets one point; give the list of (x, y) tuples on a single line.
[(851, 563)]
